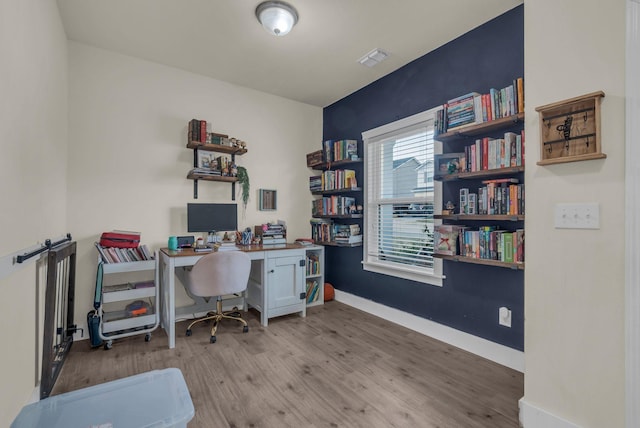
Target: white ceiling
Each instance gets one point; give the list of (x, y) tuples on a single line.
[(317, 63)]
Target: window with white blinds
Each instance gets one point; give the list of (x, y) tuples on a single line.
[(399, 199)]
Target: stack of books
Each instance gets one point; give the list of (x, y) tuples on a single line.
[(315, 183), (347, 234), (227, 246), (464, 110), (206, 171)]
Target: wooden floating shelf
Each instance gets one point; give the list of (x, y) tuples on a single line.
[(339, 216), (486, 262), (332, 165), (216, 148), (336, 244), (336, 191), (485, 173), (208, 177), (575, 158), (479, 128), (479, 217)]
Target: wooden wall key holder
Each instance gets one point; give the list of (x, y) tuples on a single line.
[(570, 130)]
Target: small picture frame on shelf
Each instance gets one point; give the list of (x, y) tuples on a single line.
[(267, 200), (448, 163), (207, 159)]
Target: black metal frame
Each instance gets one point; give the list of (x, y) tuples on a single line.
[(58, 313)]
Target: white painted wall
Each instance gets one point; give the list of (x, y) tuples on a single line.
[(128, 159), (33, 150), (574, 280)]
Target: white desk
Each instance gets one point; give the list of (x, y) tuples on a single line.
[(276, 283)]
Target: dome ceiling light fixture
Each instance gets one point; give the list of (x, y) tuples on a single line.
[(277, 17)]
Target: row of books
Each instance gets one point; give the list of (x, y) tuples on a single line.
[(338, 150), (333, 205), (485, 243), (197, 130), (313, 290), (489, 153), (504, 196), (124, 255), (473, 107), (312, 264), (327, 231), (333, 180), (488, 243)]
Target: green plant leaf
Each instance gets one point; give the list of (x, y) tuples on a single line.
[(245, 187)]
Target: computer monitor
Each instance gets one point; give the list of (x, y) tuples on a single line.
[(212, 217)]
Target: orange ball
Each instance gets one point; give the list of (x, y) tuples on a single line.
[(329, 292)]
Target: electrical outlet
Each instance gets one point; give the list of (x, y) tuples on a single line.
[(504, 316), (577, 216)]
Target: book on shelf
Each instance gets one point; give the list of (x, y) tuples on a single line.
[(206, 171), (352, 239), (445, 239), (118, 287)]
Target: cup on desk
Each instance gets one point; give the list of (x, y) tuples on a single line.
[(173, 243), (246, 238)]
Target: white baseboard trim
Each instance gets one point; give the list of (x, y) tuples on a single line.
[(495, 352), (535, 417)]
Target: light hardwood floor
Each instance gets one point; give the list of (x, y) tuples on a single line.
[(338, 367)]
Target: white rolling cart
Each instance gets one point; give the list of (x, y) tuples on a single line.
[(116, 324)]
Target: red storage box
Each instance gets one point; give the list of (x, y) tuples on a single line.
[(120, 239)]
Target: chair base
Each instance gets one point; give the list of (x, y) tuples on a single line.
[(217, 317)]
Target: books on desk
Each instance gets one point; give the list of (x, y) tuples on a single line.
[(227, 246), (202, 248)]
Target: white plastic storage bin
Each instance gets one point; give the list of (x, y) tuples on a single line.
[(158, 398)]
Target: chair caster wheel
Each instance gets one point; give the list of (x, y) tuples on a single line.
[(245, 329), (147, 337), (108, 345), (212, 339), (188, 332)]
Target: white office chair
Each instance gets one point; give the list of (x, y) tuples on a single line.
[(215, 275)]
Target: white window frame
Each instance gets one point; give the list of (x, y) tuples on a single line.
[(428, 276)]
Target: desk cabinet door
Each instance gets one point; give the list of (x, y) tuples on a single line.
[(285, 279)]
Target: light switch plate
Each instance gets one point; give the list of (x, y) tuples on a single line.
[(577, 216)]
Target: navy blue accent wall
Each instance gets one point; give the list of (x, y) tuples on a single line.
[(489, 56)]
